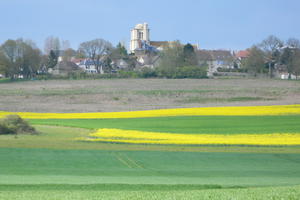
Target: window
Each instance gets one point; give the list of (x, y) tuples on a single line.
[(140, 35)]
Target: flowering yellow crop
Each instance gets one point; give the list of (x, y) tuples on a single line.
[(213, 111), (141, 137)]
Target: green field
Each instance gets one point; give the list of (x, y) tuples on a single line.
[(53, 165), (194, 124)]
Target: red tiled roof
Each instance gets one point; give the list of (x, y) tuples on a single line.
[(242, 54)]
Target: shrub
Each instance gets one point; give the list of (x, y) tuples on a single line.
[(183, 72), (147, 73), (14, 124)]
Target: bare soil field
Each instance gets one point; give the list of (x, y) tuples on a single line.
[(143, 94)]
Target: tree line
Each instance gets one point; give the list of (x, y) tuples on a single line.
[(274, 53), (22, 58)]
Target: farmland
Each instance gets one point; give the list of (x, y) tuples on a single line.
[(55, 164)]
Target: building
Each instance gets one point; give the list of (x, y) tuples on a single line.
[(215, 60), (64, 68), (140, 39), (139, 34), (240, 56)]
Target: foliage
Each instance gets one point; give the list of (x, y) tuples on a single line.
[(178, 61), (13, 124), (255, 63), (147, 73), (189, 54), (95, 50), (119, 52), (19, 58), (240, 70), (182, 72), (291, 59), (171, 58)]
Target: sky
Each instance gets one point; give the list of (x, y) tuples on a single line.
[(213, 24)]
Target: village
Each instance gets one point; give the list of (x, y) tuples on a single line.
[(273, 59)]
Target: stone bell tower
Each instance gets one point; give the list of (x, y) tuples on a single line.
[(139, 34)]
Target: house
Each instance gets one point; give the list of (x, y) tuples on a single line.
[(146, 58), (215, 59), (64, 68), (240, 56), (118, 64), (89, 66)]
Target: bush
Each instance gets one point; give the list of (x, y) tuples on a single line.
[(183, 72), (241, 70), (14, 124), (147, 73)]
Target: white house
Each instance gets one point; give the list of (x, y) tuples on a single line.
[(89, 66)]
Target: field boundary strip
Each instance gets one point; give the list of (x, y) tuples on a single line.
[(145, 137), (204, 111)]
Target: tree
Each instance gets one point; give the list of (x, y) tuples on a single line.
[(122, 50), (255, 63), (295, 63), (65, 44), (291, 59), (172, 57), (20, 58), (293, 42), (271, 46), (51, 43), (189, 55), (52, 60), (119, 52), (31, 60), (4, 63), (68, 54), (95, 50), (9, 58), (286, 59)]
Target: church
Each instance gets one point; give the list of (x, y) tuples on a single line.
[(140, 39)]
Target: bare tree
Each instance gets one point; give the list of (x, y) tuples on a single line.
[(95, 50), (51, 43), (68, 54), (65, 44), (293, 42), (271, 46)]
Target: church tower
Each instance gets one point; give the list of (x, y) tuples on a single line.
[(138, 34)]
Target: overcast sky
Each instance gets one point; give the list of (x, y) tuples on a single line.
[(213, 24)]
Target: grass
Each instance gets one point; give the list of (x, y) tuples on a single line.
[(194, 124), (217, 99), (53, 165), (58, 137), (173, 92), (45, 166), (274, 193)]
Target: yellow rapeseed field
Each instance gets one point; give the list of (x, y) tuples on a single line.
[(212, 111), (141, 137)]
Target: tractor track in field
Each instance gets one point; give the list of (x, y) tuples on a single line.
[(127, 161)]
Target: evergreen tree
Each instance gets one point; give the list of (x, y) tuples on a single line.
[(189, 55), (52, 60)]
